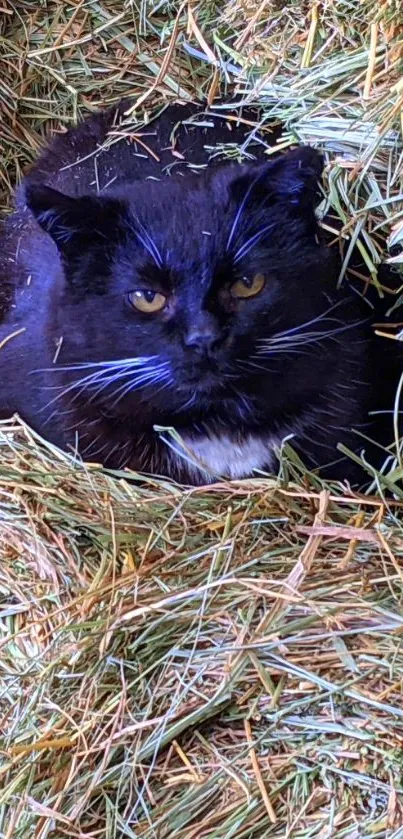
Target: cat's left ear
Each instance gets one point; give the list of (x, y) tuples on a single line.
[(72, 222), (293, 178)]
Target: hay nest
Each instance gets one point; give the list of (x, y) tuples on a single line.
[(221, 662)]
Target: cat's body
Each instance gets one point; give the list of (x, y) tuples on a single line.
[(196, 301)]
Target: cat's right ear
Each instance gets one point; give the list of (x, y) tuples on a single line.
[(72, 222), (291, 179)]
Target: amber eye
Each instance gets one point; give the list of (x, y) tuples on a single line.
[(146, 300), (248, 287)]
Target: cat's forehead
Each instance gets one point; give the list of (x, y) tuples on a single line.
[(194, 216), (188, 200), (201, 228), (182, 225)]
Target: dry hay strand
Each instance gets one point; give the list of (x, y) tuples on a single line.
[(329, 72), (212, 662)]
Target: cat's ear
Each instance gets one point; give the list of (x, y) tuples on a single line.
[(292, 178), (72, 222)]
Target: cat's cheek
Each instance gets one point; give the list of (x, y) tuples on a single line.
[(227, 302), (170, 309), (229, 342)]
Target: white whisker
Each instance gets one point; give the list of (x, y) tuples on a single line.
[(81, 384), (137, 360), (248, 364), (241, 208), (149, 371), (244, 249), (147, 379), (148, 243), (284, 344), (89, 445), (110, 373), (313, 320)]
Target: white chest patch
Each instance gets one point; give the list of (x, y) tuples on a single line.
[(221, 456)]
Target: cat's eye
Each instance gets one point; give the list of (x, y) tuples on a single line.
[(248, 286), (146, 300)]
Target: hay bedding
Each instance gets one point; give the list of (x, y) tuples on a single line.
[(223, 662)]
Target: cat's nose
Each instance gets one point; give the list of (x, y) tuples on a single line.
[(202, 337)]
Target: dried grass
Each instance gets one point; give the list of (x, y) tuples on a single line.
[(204, 663)]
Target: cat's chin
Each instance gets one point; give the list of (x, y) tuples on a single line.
[(209, 384)]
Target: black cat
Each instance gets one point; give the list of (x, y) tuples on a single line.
[(198, 299)]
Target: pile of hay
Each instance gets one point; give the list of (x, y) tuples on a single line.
[(222, 662)]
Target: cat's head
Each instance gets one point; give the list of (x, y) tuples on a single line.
[(193, 274)]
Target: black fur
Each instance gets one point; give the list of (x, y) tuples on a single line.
[(70, 259)]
